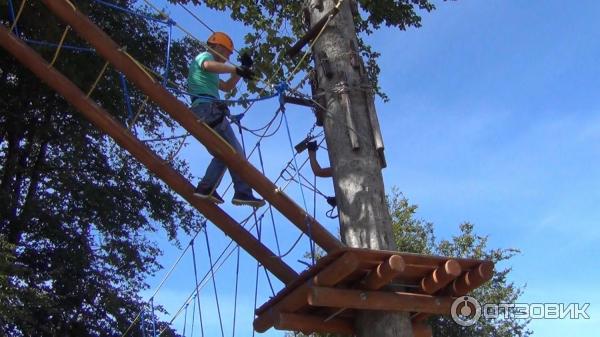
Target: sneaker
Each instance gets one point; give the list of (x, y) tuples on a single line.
[(247, 199), (205, 193)]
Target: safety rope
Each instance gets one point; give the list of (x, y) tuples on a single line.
[(197, 292), (93, 87), (55, 45), (185, 318), (126, 98), (153, 317), (235, 295), (164, 279), (60, 44), (262, 167), (128, 11), (17, 17), (214, 283)]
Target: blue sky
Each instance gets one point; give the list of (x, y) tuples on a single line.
[(493, 119)]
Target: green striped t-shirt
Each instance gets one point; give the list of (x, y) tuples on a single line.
[(200, 81)]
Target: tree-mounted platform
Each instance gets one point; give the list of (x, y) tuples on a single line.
[(326, 297)]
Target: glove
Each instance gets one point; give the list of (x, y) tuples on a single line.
[(312, 146), (246, 60), (245, 72), (236, 118)]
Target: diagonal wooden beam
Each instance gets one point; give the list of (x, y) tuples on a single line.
[(104, 121), (236, 162)]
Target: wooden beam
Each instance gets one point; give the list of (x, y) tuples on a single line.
[(329, 276), (105, 122), (236, 162), (310, 34), (310, 323), (440, 277), (471, 279), (378, 300), (385, 272)]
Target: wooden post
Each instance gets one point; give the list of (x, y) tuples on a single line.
[(365, 221)]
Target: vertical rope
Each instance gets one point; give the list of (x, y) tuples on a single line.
[(197, 292), (142, 323), (237, 278), (166, 76), (185, 318), (214, 283), (16, 18), (126, 96), (153, 317), (258, 234), (296, 167), (262, 167), (11, 15), (194, 318)]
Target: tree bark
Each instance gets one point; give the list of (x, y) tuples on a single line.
[(364, 218)]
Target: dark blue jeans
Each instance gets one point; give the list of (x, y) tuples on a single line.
[(209, 112)]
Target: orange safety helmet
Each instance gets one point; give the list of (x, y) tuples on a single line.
[(221, 39)]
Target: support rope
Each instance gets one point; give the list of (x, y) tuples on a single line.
[(197, 291), (93, 87), (214, 283), (18, 16), (58, 49)]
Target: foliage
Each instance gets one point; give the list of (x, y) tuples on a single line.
[(75, 209), (276, 25), (416, 236)]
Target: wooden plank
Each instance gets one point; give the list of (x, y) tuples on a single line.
[(105, 122), (310, 323), (297, 299), (385, 272), (236, 162), (441, 277), (378, 300)]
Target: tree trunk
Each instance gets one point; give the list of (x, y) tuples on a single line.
[(365, 221)]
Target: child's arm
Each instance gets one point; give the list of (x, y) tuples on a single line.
[(223, 68)]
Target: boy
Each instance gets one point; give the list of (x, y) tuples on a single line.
[(204, 85)]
